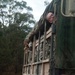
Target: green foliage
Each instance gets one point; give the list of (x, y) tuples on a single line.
[(12, 11), (11, 47), (14, 26)]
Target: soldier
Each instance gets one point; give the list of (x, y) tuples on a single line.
[(50, 17), (49, 13)]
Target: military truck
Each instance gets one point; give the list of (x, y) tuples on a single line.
[(50, 47)]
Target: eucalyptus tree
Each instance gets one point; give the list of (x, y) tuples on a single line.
[(12, 11), (15, 20)]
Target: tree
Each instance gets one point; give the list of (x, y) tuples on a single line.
[(46, 3), (10, 14), (14, 26)]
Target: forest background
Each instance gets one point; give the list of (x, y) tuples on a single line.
[(15, 23)]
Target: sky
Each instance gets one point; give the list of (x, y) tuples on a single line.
[(38, 7)]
